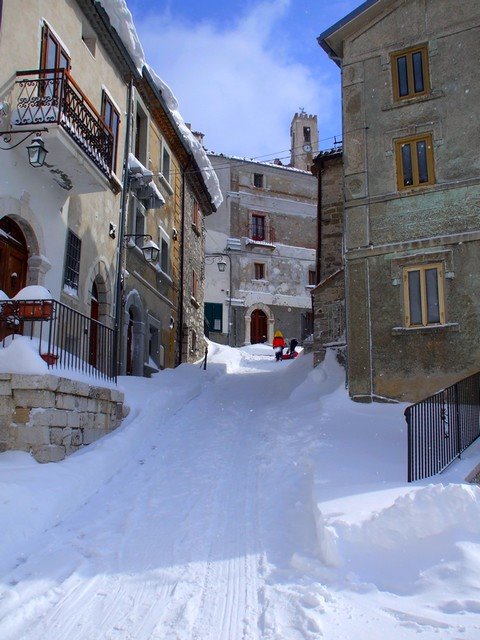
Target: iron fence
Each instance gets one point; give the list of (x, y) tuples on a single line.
[(442, 426), (51, 96), (66, 338)]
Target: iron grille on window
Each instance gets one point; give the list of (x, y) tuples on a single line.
[(72, 261)]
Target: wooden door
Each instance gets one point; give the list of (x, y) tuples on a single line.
[(258, 327), (13, 257)]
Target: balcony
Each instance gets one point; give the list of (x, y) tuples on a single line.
[(261, 234), (79, 143)]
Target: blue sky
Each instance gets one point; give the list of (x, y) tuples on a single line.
[(241, 68)]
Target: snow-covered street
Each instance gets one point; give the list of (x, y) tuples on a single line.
[(251, 501)]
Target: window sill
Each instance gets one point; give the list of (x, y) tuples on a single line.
[(165, 184), (434, 328), (433, 95), (260, 281), (194, 302)]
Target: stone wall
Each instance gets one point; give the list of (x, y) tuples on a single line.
[(52, 417), (329, 315)]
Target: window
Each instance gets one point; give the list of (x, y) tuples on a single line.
[(258, 180), (88, 37), (312, 277), (193, 346), (166, 164), (414, 158), (112, 120), (258, 227), (196, 215), (141, 134), (139, 223), (194, 285), (424, 295), (52, 56), (410, 72), (259, 269), (164, 244), (214, 315), (306, 134), (72, 262)]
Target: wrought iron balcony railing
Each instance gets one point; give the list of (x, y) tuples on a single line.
[(66, 338), (51, 96)]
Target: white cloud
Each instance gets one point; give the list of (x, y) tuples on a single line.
[(239, 86)]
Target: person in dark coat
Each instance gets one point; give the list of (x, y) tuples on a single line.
[(293, 345)]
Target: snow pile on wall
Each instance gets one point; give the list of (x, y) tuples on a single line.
[(122, 21)]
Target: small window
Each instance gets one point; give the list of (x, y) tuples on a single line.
[(72, 262), (258, 180), (196, 215), (259, 271), (194, 285), (112, 120), (424, 295), (410, 72), (414, 157), (164, 244), (166, 164), (258, 227), (307, 134), (88, 37), (141, 135), (213, 315), (312, 277)]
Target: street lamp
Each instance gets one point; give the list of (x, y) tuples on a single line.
[(222, 265), (150, 250), (36, 149), (37, 152)]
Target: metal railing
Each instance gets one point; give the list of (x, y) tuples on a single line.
[(442, 426), (66, 338), (51, 96)]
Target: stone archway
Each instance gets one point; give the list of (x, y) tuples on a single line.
[(259, 310), (13, 257)]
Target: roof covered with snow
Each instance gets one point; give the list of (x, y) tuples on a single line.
[(121, 21)]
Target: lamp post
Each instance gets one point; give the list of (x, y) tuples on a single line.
[(150, 250), (36, 149), (222, 265)]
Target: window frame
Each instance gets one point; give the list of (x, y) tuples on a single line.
[(260, 179), (256, 227), (422, 269), (113, 123), (259, 271), (196, 215), (71, 269), (400, 167), (312, 277), (408, 54), (194, 293), (164, 238)]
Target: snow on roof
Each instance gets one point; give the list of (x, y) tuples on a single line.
[(122, 21), (268, 163)]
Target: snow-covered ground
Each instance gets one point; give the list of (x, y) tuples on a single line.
[(250, 501)]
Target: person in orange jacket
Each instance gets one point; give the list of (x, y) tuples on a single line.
[(279, 345)]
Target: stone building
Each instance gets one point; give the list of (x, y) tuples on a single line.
[(329, 294), (167, 200), (410, 97), (264, 236)]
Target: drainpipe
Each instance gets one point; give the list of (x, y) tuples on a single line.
[(117, 351), (319, 222), (182, 267)]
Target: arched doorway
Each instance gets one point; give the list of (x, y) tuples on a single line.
[(94, 314), (130, 343), (258, 327), (13, 257)]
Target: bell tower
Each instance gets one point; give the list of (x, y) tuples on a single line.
[(303, 140)]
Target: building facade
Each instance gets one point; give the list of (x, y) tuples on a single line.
[(412, 193), (264, 237)]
